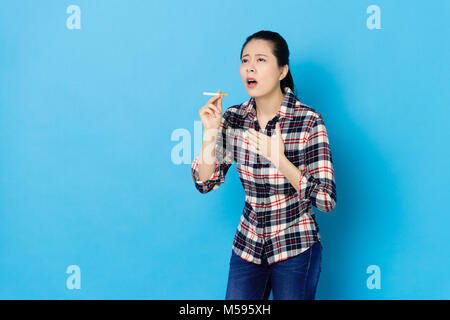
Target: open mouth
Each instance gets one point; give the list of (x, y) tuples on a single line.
[(251, 83)]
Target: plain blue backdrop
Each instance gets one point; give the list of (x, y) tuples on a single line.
[(88, 177)]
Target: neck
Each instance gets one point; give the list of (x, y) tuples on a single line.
[(268, 105)]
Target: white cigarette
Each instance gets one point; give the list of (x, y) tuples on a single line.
[(213, 94)]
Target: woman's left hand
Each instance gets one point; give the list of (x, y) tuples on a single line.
[(272, 148)]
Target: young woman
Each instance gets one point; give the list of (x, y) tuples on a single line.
[(283, 158)]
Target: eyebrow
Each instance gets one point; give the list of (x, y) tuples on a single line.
[(258, 54)]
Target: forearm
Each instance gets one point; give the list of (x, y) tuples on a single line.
[(290, 171), (207, 157), (320, 191)]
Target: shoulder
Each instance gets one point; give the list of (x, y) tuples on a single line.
[(235, 112), (306, 113)]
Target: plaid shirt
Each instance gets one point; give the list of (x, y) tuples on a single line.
[(277, 220)]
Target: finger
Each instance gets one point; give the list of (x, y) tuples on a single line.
[(257, 135), (212, 111), (214, 107), (219, 95), (209, 112), (252, 132), (249, 140), (252, 148), (214, 98), (256, 142), (253, 144), (218, 104), (253, 139), (249, 133), (219, 101)]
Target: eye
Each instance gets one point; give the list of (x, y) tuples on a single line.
[(244, 60)]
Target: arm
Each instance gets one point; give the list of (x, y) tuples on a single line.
[(207, 158), (211, 165), (316, 181)]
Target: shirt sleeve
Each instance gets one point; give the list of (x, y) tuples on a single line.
[(317, 181), (224, 158)]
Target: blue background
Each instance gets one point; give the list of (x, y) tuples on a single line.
[(87, 175)]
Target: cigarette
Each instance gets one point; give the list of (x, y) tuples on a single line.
[(214, 94)]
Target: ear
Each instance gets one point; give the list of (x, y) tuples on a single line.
[(284, 72)]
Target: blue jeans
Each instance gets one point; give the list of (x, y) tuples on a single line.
[(295, 278)]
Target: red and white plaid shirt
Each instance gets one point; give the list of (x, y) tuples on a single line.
[(276, 217)]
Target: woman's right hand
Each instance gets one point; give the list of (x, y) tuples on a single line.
[(211, 112)]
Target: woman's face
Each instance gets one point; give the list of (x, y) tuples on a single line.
[(258, 62)]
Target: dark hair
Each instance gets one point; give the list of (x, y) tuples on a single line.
[(279, 49)]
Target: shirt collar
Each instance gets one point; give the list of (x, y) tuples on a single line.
[(286, 110)]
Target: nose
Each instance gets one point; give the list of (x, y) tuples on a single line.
[(250, 67)]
